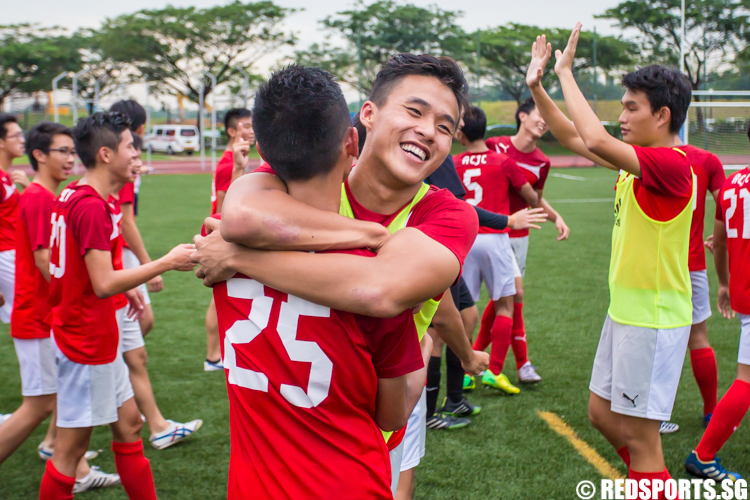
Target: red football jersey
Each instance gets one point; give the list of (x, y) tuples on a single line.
[(489, 178), (302, 383), (734, 210), (222, 176), (84, 326), (8, 212), (124, 197), (535, 166), (29, 319), (118, 243), (708, 176)]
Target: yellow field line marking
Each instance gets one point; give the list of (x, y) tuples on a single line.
[(586, 451)]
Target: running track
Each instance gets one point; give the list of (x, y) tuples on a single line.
[(194, 166)]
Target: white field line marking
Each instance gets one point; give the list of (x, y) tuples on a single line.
[(569, 177)]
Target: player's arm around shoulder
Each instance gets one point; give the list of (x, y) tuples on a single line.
[(259, 213)]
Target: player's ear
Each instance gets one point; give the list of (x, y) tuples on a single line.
[(663, 117), (39, 156), (104, 154), (232, 132), (367, 114), (351, 143)]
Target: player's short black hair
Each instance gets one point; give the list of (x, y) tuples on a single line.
[(4, 119), (527, 107), (664, 87), (97, 131), (234, 115), (475, 123), (300, 117), (137, 142), (132, 110), (361, 132), (400, 66), (40, 137)]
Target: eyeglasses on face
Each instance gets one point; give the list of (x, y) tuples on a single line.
[(65, 151)]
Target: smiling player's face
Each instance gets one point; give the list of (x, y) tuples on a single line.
[(126, 154), (412, 131)]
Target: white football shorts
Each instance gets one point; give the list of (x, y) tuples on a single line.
[(131, 336), (701, 299), (7, 282), (490, 260), (36, 357), (129, 261), (744, 352), (90, 395), (638, 369), (415, 436), (520, 248)]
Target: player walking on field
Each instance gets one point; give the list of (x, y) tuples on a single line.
[(642, 347), (92, 378), (239, 126), (522, 148), (731, 256), (414, 108), (489, 178)]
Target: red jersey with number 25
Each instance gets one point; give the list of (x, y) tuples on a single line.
[(734, 210), (84, 326), (489, 179), (302, 383)]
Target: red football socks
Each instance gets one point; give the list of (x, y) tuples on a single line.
[(56, 486), (134, 470), (727, 417), (706, 374), (663, 475), (518, 336), (500, 333), (484, 337), (625, 455)]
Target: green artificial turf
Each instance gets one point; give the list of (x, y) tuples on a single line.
[(507, 452)]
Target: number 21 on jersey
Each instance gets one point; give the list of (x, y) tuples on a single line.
[(244, 331), (744, 195)]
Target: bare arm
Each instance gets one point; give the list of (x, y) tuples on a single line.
[(41, 260), (529, 195), (450, 327), (721, 262), (396, 279), (220, 195), (259, 213), (563, 231), (107, 282)]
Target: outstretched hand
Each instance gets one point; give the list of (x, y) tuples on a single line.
[(565, 59), (541, 51)]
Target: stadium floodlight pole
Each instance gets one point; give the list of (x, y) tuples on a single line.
[(479, 57), (200, 124), (55, 104), (213, 119), (245, 86), (682, 38), (594, 85), (148, 121), (75, 109)]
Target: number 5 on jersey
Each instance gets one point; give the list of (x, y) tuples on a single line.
[(244, 331)]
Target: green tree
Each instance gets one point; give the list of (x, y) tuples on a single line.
[(506, 51), (716, 30), (30, 57), (373, 33), (174, 45)]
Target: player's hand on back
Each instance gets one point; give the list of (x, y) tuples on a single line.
[(565, 59), (541, 51), (155, 285), (480, 360), (709, 243), (212, 255), (563, 231), (528, 219), (723, 303), (179, 257)]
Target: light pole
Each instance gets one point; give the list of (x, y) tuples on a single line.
[(54, 94), (213, 121), (245, 86)]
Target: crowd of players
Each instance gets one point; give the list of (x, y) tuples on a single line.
[(343, 264)]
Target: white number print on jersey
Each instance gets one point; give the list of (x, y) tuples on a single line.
[(744, 195), (469, 174), (58, 237), (244, 331)]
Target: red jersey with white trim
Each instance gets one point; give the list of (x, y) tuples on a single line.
[(29, 319), (665, 186), (118, 243), (124, 197), (222, 176), (535, 166), (302, 383), (708, 176), (8, 212), (84, 326), (734, 210), (489, 179)]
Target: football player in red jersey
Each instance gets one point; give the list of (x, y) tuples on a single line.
[(731, 249), (92, 379), (489, 178), (238, 122), (324, 397), (523, 149), (414, 108), (11, 147), (51, 154)]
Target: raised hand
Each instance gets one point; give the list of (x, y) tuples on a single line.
[(565, 59), (240, 150), (527, 219), (541, 51)]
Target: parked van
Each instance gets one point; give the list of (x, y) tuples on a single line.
[(172, 139)]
